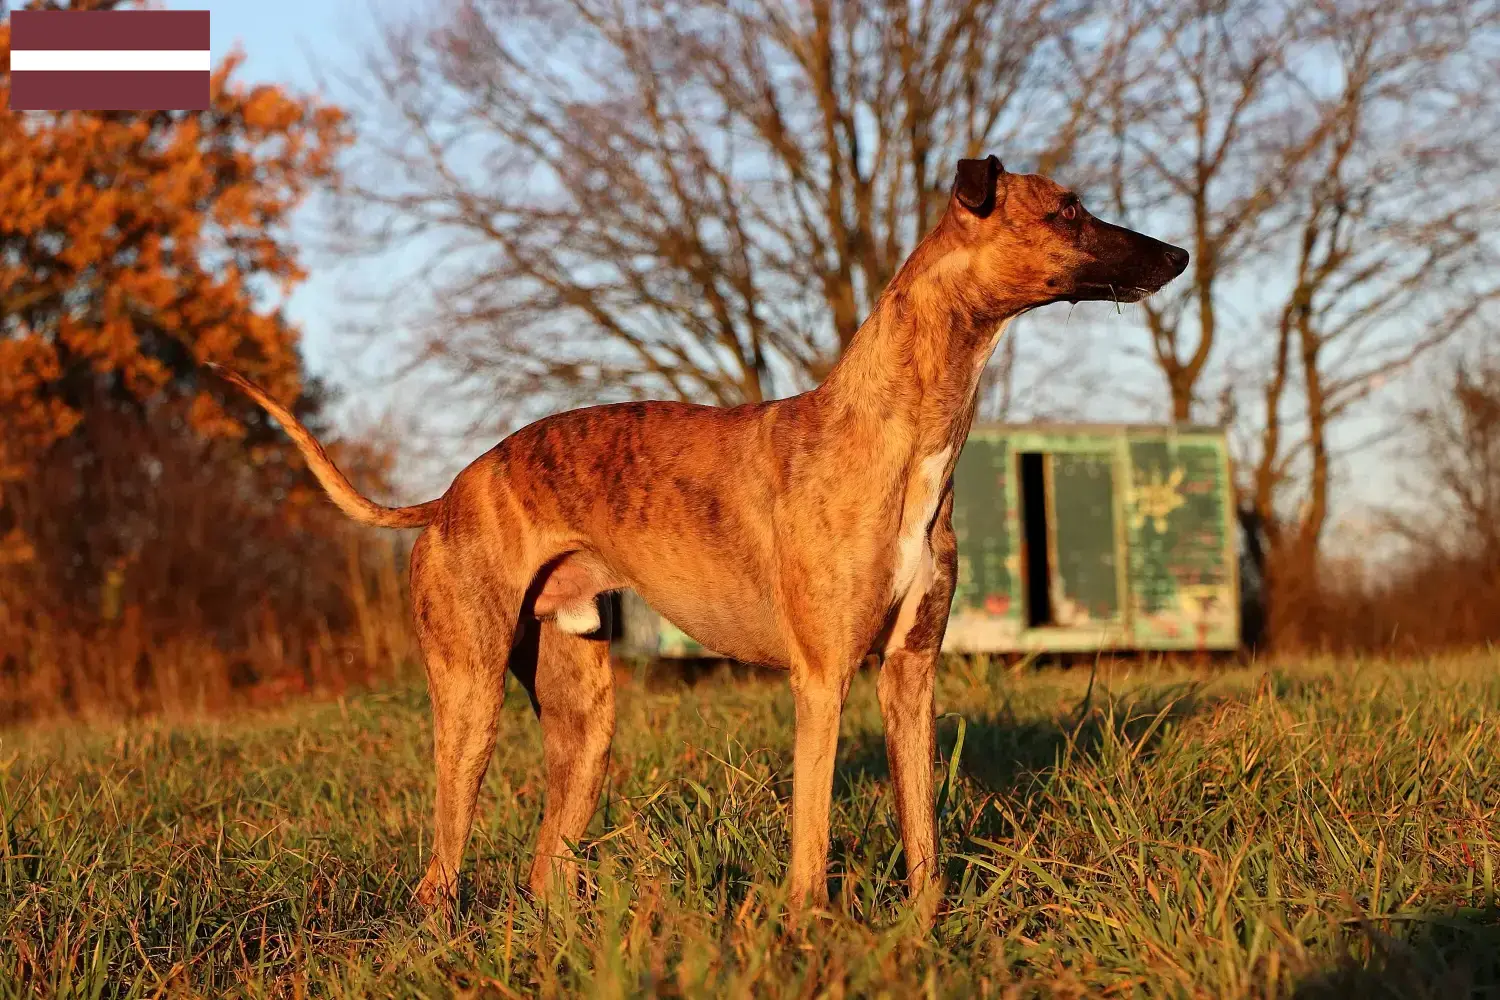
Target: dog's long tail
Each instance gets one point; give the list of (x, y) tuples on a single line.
[(339, 489)]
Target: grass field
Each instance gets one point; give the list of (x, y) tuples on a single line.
[(1331, 830)]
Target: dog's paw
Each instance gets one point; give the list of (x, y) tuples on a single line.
[(436, 889)]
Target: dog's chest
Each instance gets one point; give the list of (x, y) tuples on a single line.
[(924, 490)]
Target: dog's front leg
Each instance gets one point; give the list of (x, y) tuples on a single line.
[(907, 708), (818, 690)]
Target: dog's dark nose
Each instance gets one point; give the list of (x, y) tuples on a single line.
[(1178, 258)]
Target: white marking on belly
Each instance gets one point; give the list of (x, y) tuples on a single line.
[(922, 496), (581, 618)]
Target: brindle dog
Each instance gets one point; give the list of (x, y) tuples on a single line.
[(803, 533)]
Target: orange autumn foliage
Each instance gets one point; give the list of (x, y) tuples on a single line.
[(135, 245), (160, 542)]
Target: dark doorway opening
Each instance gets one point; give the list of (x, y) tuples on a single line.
[(1036, 532)]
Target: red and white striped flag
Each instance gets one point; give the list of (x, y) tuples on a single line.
[(109, 60)]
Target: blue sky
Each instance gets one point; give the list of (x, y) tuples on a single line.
[(298, 44), (287, 42)]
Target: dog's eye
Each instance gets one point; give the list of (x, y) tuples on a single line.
[(1070, 211)]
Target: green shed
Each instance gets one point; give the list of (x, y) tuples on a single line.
[(1071, 538)]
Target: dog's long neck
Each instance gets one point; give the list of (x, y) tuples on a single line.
[(910, 376)]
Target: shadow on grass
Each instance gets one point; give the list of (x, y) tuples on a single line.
[(1012, 757), (1454, 955), (1005, 755)]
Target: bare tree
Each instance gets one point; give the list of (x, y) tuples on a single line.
[(1457, 453), (1333, 164), (1197, 141), (1391, 254), (625, 198)]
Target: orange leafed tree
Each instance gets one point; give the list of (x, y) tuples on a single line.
[(143, 506), (134, 246)]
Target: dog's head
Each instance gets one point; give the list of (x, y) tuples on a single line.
[(1030, 241)]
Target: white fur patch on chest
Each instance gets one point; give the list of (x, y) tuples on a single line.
[(923, 493)]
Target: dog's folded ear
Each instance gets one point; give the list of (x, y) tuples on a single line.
[(975, 185)]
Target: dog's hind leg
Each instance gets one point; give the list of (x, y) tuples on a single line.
[(906, 705), (465, 635), (573, 693)]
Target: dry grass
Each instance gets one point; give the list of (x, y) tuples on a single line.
[(132, 663), (1328, 830)]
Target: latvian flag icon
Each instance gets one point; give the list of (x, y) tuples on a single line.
[(109, 60)]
